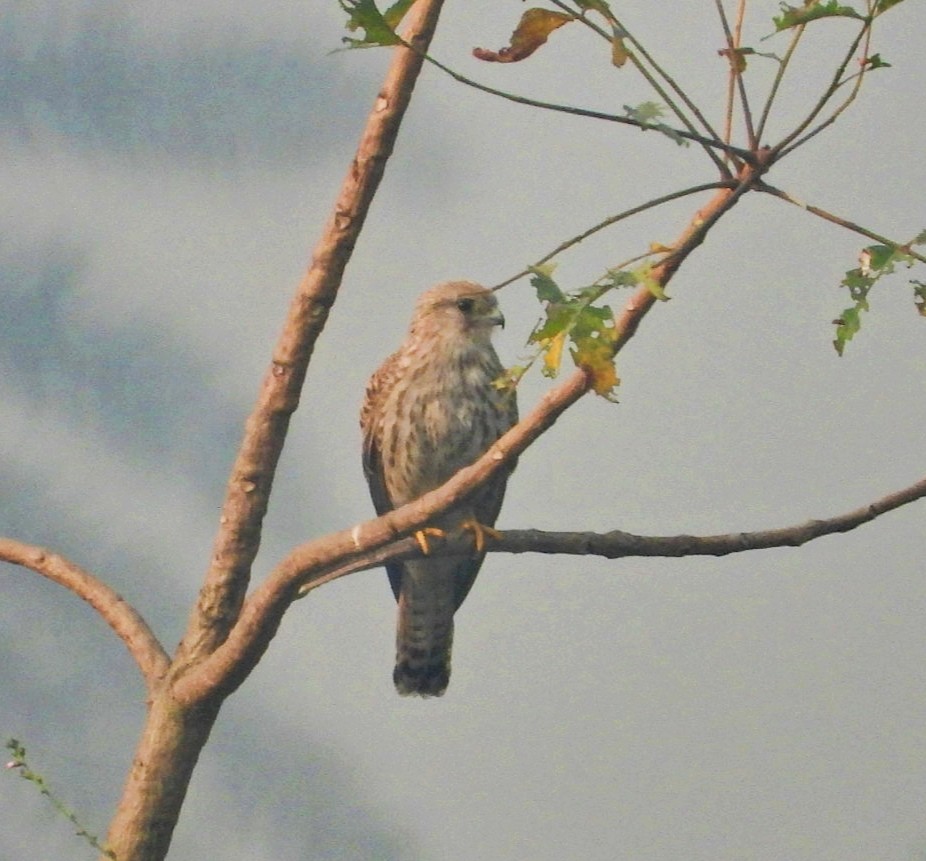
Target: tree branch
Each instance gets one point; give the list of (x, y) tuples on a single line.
[(129, 626), (614, 219), (618, 544), (709, 144), (836, 219), (238, 538)]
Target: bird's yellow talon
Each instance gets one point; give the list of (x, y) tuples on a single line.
[(480, 531), (421, 536)]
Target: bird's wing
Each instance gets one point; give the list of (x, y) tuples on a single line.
[(377, 389)]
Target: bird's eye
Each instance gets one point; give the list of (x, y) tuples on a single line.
[(465, 305)]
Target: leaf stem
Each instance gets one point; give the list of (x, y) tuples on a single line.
[(839, 220), (793, 139), (714, 143), (736, 82), (614, 219), (779, 77)]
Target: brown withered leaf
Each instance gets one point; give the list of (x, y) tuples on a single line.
[(532, 31)]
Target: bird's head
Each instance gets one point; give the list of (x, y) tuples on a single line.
[(459, 308)]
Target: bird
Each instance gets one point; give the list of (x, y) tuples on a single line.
[(433, 407)]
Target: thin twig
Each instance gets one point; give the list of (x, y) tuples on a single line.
[(121, 616), (779, 77), (837, 219), (786, 144), (640, 51), (857, 79), (714, 143), (614, 219), (736, 82)]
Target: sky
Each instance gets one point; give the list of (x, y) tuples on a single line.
[(165, 169)]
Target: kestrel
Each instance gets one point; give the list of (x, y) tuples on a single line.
[(431, 409)]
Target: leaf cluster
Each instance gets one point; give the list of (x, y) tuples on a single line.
[(574, 319), (875, 262)]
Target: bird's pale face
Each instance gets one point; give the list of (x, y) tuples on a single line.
[(461, 308)]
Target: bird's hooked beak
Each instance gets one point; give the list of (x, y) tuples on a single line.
[(497, 318)]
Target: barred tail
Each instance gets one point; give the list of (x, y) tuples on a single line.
[(425, 629)]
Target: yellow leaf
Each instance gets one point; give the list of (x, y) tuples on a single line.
[(532, 31), (618, 50), (553, 355), (604, 379)]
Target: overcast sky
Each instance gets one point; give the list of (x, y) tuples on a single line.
[(164, 171)]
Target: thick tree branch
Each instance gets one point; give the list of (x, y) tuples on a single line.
[(238, 538), (618, 544), (130, 627)]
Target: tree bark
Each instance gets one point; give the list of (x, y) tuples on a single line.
[(158, 778)]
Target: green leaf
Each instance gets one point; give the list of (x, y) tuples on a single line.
[(812, 10), (599, 6), (379, 31), (620, 278), (846, 327), (875, 62), (396, 12), (547, 289), (572, 319), (644, 276), (875, 262), (646, 112), (594, 337), (646, 115), (883, 5), (919, 297)]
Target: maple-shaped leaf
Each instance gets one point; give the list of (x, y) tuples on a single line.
[(647, 115), (597, 358), (589, 329), (532, 31), (795, 16), (594, 337), (883, 5), (542, 281), (875, 262), (378, 27)]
